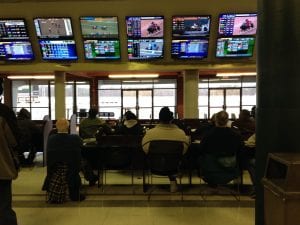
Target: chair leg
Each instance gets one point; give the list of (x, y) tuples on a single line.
[(144, 182)]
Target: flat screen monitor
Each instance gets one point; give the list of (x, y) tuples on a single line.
[(235, 47), (16, 51), (190, 26), (13, 29), (102, 49), (145, 26), (53, 27), (145, 48), (231, 24), (58, 49), (99, 27), (189, 48)]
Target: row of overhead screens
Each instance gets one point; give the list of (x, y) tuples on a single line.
[(145, 37)]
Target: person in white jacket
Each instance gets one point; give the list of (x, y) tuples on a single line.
[(166, 130)]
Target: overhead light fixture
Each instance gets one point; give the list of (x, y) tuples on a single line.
[(133, 76), (32, 77), (236, 74)]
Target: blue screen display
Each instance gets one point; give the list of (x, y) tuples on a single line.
[(16, 51), (145, 48), (58, 49), (190, 49)]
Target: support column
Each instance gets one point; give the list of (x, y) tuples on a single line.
[(8, 92), (278, 81), (94, 93), (60, 96), (190, 94)]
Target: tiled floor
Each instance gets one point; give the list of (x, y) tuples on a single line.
[(117, 205)]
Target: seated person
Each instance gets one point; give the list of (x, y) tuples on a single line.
[(30, 136), (130, 125), (244, 124), (65, 148), (89, 127), (165, 130), (85, 165), (221, 141)]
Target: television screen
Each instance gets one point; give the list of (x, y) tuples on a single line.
[(16, 50), (13, 29), (235, 47), (190, 26), (53, 27), (58, 49), (190, 48), (237, 24), (145, 48), (102, 49), (99, 27), (145, 26)]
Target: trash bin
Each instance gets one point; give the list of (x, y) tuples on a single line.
[(282, 189)]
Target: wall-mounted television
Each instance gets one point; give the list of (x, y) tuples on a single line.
[(235, 47), (58, 49), (145, 48), (16, 51), (190, 26), (99, 27), (53, 28), (13, 29), (102, 49), (145, 26), (231, 24), (189, 48)]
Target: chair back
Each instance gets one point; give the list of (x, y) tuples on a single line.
[(73, 129), (118, 149), (164, 157)]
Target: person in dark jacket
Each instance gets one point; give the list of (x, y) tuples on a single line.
[(8, 170), (244, 124), (65, 148), (130, 125), (30, 135), (219, 143)]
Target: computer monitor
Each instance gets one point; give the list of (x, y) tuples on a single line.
[(190, 26), (102, 49), (235, 47), (99, 27), (145, 48), (231, 24), (53, 28), (16, 51), (58, 49), (145, 26), (14, 29), (189, 48)]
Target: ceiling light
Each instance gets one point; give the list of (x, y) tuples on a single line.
[(236, 74), (32, 77), (129, 76)]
